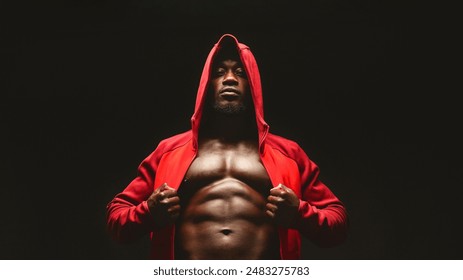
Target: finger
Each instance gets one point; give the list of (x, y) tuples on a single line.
[(278, 191), (169, 193), (174, 210), (170, 201), (158, 193), (165, 186), (270, 214), (275, 199), (160, 196), (271, 207), (164, 191), (162, 187), (279, 186), (287, 190)]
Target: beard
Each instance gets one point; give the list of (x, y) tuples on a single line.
[(229, 109)]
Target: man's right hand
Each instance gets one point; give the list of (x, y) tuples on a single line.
[(164, 205)]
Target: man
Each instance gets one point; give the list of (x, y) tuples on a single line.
[(227, 188)]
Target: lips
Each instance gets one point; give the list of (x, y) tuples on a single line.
[(229, 91)]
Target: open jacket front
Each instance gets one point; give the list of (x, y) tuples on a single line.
[(322, 219)]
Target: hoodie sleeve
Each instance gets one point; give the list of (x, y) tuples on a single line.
[(323, 217), (128, 215)]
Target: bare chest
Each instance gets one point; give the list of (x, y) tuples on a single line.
[(216, 161), (223, 199)]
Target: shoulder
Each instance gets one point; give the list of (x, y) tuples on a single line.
[(292, 150), (288, 147), (174, 142)]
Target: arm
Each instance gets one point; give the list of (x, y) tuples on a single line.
[(128, 216), (138, 209), (318, 214), (322, 216)]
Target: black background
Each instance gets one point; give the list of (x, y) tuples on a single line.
[(90, 87)]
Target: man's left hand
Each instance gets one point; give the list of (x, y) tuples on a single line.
[(282, 206)]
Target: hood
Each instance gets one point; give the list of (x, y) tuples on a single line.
[(252, 72)]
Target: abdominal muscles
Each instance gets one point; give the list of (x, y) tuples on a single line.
[(226, 220)]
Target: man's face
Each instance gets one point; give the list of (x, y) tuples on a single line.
[(229, 86)]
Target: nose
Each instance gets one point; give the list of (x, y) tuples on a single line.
[(230, 78)]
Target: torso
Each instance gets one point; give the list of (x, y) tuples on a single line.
[(223, 198)]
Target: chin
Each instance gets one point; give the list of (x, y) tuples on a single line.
[(230, 109)]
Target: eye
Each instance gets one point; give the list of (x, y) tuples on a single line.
[(219, 72), (240, 72)]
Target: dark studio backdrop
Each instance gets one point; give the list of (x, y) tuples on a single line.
[(89, 88)]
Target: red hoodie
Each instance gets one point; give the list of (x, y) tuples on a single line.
[(323, 218)]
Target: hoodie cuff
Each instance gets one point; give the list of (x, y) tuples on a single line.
[(304, 211), (146, 217)]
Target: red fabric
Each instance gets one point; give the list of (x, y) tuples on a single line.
[(323, 218)]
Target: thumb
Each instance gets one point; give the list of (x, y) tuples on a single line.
[(163, 187), (283, 187)]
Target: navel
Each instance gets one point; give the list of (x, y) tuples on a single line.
[(226, 231)]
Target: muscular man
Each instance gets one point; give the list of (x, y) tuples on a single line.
[(228, 189)]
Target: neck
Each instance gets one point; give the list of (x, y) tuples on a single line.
[(229, 128)]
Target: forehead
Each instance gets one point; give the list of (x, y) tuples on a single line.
[(227, 63), (225, 54)]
